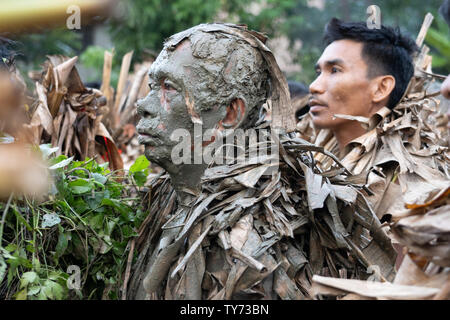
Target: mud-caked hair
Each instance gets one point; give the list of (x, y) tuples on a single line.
[(227, 68)]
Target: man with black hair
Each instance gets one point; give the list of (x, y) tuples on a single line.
[(360, 71), (362, 76)]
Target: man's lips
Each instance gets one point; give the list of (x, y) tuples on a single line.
[(147, 138), (316, 105)]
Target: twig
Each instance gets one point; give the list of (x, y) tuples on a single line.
[(361, 256), (5, 212), (128, 270), (424, 29), (250, 261)]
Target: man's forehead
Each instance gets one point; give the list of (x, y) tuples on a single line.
[(172, 62), (345, 51)]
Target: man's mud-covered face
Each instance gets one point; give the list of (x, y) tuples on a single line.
[(165, 108), (341, 86)]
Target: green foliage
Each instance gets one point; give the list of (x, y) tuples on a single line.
[(87, 222), (148, 22), (438, 39), (139, 170), (33, 48), (92, 58), (42, 286), (267, 16)]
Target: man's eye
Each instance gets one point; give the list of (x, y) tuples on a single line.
[(168, 85), (317, 72), (334, 70)]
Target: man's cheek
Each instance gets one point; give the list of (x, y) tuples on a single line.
[(165, 101)]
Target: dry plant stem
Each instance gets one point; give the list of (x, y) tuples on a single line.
[(5, 212), (128, 270), (361, 256), (126, 61), (424, 29), (127, 112), (325, 152)]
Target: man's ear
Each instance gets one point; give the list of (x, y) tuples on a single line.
[(234, 116), (383, 87)]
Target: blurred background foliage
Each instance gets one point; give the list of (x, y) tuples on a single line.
[(143, 25)]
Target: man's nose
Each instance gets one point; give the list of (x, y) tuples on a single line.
[(317, 86), (145, 108), (445, 88)]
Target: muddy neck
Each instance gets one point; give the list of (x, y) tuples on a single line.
[(186, 180)]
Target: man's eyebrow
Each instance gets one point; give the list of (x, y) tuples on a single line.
[(161, 73), (330, 63), (154, 73)]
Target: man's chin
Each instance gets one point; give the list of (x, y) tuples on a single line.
[(153, 154), (321, 122)]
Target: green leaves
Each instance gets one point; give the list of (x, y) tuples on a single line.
[(88, 221), (139, 170), (438, 38), (35, 287), (149, 22), (81, 186), (61, 246), (28, 277), (52, 290), (47, 150), (140, 164), (61, 163), (99, 178)]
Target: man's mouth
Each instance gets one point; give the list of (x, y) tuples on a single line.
[(316, 105), (147, 138)]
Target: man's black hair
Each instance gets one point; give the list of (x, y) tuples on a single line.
[(7, 55), (444, 10), (385, 50), (297, 89)]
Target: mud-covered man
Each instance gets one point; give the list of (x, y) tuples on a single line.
[(231, 231)]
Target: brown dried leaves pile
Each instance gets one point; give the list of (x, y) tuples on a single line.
[(424, 230), (69, 115), (121, 118), (254, 236)]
